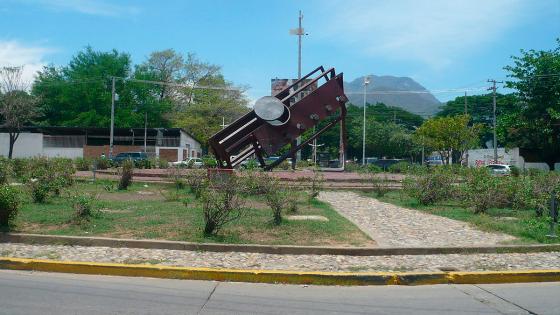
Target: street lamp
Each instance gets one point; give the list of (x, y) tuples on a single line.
[(366, 82)]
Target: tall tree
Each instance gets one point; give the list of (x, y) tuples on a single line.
[(535, 123), (448, 134), (17, 107), (79, 94), (480, 108)]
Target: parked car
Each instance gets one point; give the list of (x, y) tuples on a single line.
[(133, 156), (189, 163), (499, 169)]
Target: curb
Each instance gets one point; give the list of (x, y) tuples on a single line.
[(279, 276), (269, 249)]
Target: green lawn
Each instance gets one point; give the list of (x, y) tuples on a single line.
[(143, 212), (523, 224)]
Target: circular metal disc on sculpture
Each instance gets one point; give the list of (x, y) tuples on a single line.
[(269, 108)]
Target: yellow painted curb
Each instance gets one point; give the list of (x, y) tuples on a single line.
[(278, 276)]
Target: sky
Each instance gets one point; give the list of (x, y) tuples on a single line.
[(448, 46)]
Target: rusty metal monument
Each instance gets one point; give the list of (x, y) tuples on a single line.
[(278, 120)]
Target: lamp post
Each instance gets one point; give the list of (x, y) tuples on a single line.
[(366, 82)]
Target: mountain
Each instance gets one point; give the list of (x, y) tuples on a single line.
[(400, 92)]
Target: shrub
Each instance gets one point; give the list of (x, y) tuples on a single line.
[(197, 181), (276, 198), (9, 205), (292, 197), (372, 168), (380, 185), (209, 161), (20, 167), (83, 206), (162, 163), (102, 163), (83, 164), (400, 167), (255, 182), (221, 203), (429, 187), (482, 190), (39, 189), (317, 182), (126, 174), (6, 170)]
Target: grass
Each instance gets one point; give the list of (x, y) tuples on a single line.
[(143, 212), (523, 224)]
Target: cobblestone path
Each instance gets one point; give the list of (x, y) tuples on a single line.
[(394, 226), (234, 260)]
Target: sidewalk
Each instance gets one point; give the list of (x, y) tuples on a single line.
[(236, 260)]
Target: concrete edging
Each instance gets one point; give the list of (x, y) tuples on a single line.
[(280, 276), (269, 249)]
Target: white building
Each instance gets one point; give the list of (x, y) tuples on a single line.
[(481, 157), (172, 144)]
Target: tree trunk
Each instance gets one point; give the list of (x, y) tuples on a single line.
[(13, 138), (550, 162)]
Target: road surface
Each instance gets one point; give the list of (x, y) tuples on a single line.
[(49, 293)]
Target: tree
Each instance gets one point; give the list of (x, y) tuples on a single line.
[(79, 94), (448, 134), (480, 108), (17, 107), (535, 122)]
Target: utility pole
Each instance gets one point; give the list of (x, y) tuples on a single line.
[(223, 123), (493, 88), (466, 149), (299, 32), (145, 131), (366, 82), (112, 118)]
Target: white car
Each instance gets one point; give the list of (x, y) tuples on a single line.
[(190, 162), (499, 169)]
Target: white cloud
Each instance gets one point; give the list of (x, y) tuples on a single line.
[(15, 54), (91, 7), (433, 32)]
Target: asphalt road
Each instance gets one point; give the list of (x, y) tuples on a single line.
[(49, 293)]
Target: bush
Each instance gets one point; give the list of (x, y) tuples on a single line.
[(9, 205), (400, 167), (209, 161), (317, 182), (221, 203), (276, 198), (255, 182), (372, 168), (83, 206), (482, 190), (126, 174), (83, 164), (429, 187), (6, 170), (39, 189), (380, 185), (102, 163), (162, 163), (20, 167), (197, 181)]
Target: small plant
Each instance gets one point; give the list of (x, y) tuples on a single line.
[(292, 198), (126, 174), (9, 205), (221, 203), (481, 190), (83, 207), (102, 163), (276, 199), (317, 182), (109, 187), (380, 185)]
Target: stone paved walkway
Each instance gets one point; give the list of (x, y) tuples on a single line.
[(474, 262), (394, 226)]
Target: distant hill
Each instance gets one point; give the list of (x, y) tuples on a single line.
[(423, 104)]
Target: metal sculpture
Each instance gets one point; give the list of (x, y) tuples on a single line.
[(278, 120)]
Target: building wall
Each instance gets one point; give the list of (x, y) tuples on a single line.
[(481, 157), (71, 153), (169, 154), (27, 145), (192, 145), (91, 151)]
